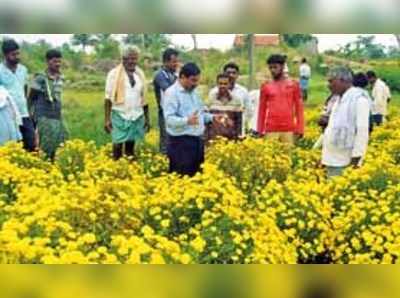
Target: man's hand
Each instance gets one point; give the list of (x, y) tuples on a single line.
[(36, 141), (194, 119), (108, 126), (299, 136), (320, 165), (355, 162), (147, 125)]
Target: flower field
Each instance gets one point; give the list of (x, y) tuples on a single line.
[(255, 202)]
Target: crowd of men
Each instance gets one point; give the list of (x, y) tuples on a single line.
[(35, 115), (275, 111)]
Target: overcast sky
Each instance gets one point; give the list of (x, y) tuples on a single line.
[(222, 41)]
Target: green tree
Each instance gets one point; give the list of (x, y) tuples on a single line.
[(74, 58), (296, 40), (101, 37), (394, 52), (83, 40), (148, 41), (108, 48), (363, 47), (135, 39), (33, 54)]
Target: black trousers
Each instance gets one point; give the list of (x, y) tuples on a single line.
[(185, 154), (378, 119), (163, 131), (28, 134)]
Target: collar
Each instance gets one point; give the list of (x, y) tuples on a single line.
[(126, 71), (166, 69), (237, 87), (4, 65), (59, 77), (180, 87)]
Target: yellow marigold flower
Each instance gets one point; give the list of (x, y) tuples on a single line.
[(356, 243), (387, 259), (115, 216), (102, 250), (147, 231), (89, 238), (165, 223), (157, 259), (93, 255), (92, 216), (155, 210), (185, 259), (134, 258), (198, 244)]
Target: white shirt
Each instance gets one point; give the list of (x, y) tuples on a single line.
[(255, 102), (132, 108), (236, 102), (7, 101), (380, 95), (337, 157), (305, 71), (241, 92)]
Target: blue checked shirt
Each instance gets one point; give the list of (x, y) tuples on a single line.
[(15, 84), (179, 105)]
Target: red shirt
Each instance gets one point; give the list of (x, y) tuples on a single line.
[(281, 107)]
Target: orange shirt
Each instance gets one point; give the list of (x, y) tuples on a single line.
[(281, 107)]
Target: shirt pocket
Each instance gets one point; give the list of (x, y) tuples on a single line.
[(185, 108), (7, 80)]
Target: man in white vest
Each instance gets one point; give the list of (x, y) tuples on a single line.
[(346, 136)]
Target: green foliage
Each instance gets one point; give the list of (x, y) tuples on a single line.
[(101, 37), (391, 75), (33, 55), (74, 58), (149, 42), (296, 40), (363, 48), (393, 52), (106, 48), (84, 40)]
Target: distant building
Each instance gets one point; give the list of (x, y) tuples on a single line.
[(260, 40)]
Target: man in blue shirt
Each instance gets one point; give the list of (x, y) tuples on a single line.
[(14, 77), (164, 79), (186, 118)]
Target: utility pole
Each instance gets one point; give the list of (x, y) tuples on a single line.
[(398, 39), (250, 40), (144, 41), (194, 38)]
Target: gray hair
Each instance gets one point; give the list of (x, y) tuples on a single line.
[(342, 73), (129, 49)]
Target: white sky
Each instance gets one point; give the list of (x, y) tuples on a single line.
[(222, 41)]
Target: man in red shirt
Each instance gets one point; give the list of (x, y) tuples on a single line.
[(281, 112)]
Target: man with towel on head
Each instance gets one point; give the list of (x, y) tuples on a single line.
[(126, 111)]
